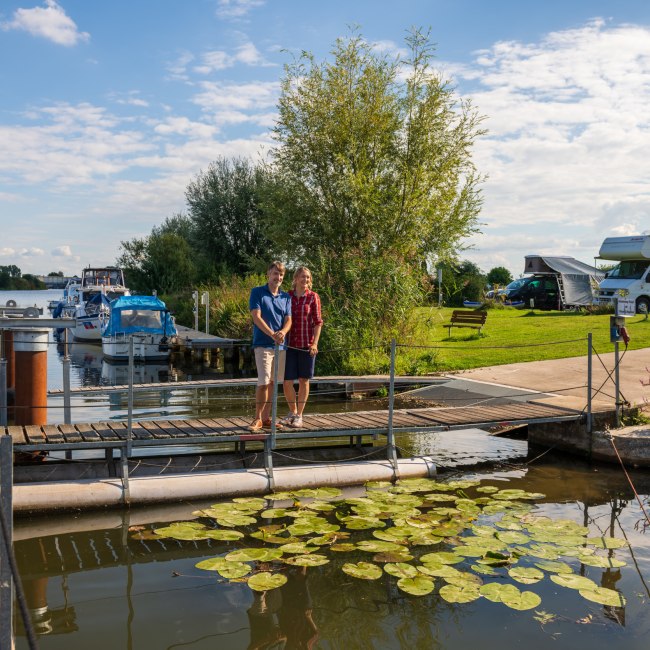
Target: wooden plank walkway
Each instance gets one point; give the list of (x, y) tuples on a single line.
[(199, 430)]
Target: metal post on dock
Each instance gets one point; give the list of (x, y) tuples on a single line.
[(129, 426), (392, 453), (589, 383), (3, 385), (617, 385), (205, 300), (6, 509), (274, 401), (67, 417)]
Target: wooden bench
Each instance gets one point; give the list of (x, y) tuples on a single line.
[(473, 319)]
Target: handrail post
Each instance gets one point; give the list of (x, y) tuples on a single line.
[(129, 427), (274, 402), (67, 417), (3, 383), (392, 454), (6, 506), (617, 382), (589, 382)]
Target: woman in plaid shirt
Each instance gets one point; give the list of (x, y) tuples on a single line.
[(305, 331)]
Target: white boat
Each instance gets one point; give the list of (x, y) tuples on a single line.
[(99, 285), (146, 320)]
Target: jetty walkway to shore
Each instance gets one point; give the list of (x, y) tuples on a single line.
[(114, 434)]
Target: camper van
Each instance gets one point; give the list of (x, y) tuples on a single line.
[(555, 283), (630, 278)]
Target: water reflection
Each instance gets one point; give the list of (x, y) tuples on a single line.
[(105, 582), (283, 616)]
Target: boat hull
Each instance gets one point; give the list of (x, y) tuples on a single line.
[(87, 329), (146, 347)]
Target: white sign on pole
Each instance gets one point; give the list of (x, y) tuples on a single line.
[(625, 307)]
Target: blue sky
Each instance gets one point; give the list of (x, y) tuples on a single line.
[(109, 109)]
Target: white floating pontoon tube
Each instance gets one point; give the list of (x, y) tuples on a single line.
[(110, 493)]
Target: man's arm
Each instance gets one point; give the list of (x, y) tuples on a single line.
[(256, 315)]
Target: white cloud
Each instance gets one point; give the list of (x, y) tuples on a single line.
[(186, 127), (30, 252), (237, 8), (7, 252), (49, 22), (216, 60), (62, 251), (569, 133), (218, 95)]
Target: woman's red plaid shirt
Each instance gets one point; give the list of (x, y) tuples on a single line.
[(305, 316)]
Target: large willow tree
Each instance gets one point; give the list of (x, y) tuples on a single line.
[(373, 175)]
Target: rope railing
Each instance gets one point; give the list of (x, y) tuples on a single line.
[(177, 404)]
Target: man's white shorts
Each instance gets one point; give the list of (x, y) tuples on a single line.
[(264, 358)]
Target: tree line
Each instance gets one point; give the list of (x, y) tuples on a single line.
[(371, 181), (12, 279)]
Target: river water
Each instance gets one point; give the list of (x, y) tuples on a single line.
[(103, 581)]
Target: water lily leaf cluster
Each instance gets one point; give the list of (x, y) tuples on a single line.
[(459, 541)]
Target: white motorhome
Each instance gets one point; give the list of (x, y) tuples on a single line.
[(630, 278)]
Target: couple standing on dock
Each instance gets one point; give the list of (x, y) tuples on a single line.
[(292, 321)]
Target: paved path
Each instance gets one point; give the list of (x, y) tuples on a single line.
[(568, 377)]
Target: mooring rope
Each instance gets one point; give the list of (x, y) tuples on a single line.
[(629, 479)]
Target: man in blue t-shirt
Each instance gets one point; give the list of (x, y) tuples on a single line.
[(271, 312)]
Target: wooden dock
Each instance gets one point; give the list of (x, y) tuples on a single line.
[(201, 431)]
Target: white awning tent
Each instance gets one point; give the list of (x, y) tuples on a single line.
[(578, 279)]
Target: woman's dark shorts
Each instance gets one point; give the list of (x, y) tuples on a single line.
[(299, 364)]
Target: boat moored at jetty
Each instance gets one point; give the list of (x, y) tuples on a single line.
[(99, 285), (146, 319)]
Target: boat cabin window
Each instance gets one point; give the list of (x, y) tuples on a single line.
[(140, 319), (629, 270)]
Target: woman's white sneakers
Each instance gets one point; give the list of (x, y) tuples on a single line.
[(292, 420)]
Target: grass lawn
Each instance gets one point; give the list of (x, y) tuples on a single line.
[(509, 336)]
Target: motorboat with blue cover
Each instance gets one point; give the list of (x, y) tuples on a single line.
[(146, 319)]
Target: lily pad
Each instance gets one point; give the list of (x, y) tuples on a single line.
[(603, 596), (224, 535), (186, 531), (362, 570), (522, 601), (512, 537), (572, 581), (296, 548), (232, 520), (307, 560), (266, 581), (525, 575), (401, 570), (461, 578), (416, 586), (443, 557), (233, 570), (483, 570), (345, 547), (212, 564), (602, 562), (425, 538), (274, 513), (606, 542), (254, 554), (465, 593), (554, 567), (438, 571), (379, 546), (392, 557)]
